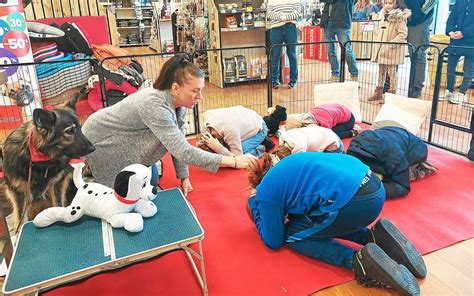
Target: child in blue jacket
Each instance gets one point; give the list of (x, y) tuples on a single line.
[(308, 199)]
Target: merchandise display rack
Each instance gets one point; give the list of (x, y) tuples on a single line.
[(229, 25), (134, 22)]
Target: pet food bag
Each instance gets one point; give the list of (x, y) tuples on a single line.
[(230, 69), (241, 62), (255, 67)]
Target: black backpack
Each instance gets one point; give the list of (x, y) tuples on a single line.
[(73, 40)]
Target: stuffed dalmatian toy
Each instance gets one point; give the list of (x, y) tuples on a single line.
[(124, 206)]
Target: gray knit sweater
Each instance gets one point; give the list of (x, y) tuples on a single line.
[(141, 129)]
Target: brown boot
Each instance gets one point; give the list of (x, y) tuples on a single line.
[(377, 96)]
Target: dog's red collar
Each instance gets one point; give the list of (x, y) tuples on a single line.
[(35, 155), (124, 200)]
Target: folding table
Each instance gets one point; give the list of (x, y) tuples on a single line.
[(61, 253)]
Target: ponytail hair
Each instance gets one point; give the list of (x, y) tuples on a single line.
[(177, 69)]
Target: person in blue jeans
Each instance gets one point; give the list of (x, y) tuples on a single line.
[(337, 21), (460, 29), (307, 200), (282, 18), (419, 25)]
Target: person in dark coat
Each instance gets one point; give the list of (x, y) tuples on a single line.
[(396, 154), (460, 29)]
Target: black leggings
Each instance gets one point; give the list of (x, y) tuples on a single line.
[(344, 130)]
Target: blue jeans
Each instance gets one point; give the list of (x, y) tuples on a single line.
[(343, 35), (344, 130), (250, 145), (338, 150), (467, 70), (419, 35), (287, 34), (350, 224)]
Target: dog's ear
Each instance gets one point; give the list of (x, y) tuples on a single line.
[(122, 182), (71, 104), (43, 119)]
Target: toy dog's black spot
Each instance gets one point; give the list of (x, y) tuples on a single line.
[(90, 191), (85, 186)]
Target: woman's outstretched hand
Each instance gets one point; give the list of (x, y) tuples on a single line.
[(186, 186), (244, 161)]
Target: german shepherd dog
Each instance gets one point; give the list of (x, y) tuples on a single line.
[(36, 159)]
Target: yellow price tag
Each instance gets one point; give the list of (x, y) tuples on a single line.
[(249, 8)]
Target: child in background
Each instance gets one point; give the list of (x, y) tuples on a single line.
[(311, 138), (392, 28), (460, 29), (362, 10), (332, 116), (234, 131)]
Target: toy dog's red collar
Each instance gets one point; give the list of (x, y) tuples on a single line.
[(35, 154), (124, 200)]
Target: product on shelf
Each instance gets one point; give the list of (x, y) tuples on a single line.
[(230, 69), (258, 67), (259, 20), (230, 22), (263, 59), (247, 19), (241, 62), (246, 4), (255, 67)]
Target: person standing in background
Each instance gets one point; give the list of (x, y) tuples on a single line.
[(419, 34), (362, 10), (282, 18), (460, 29), (337, 21)]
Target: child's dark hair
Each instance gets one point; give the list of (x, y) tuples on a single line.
[(176, 70)]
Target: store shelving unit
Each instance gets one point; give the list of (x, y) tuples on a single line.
[(238, 34), (134, 20)]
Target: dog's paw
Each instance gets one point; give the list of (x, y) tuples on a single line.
[(133, 222), (75, 213), (149, 210)]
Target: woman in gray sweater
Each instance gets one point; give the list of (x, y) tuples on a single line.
[(147, 124)]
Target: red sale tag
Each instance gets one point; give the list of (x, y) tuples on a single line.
[(17, 42)]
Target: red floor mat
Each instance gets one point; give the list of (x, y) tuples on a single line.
[(436, 214)]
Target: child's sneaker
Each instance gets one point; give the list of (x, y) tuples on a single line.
[(448, 95), (291, 85), (459, 98), (396, 245), (276, 85), (374, 268)]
